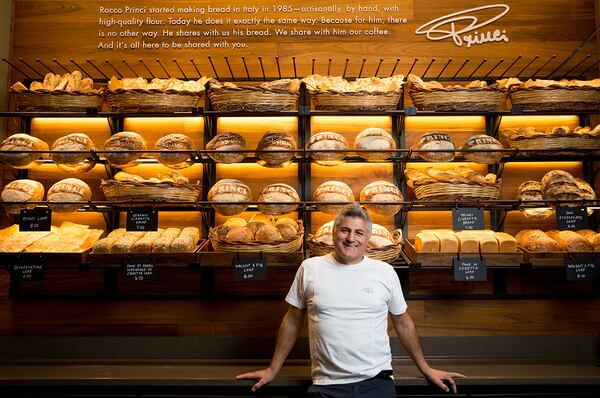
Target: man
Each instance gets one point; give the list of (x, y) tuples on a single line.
[(347, 297)]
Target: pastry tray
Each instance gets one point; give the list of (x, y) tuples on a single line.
[(445, 259)]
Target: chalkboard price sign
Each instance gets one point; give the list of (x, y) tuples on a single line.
[(142, 219), (581, 267), (28, 270), (140, 269), (467, 219), (571, 218), (470, 269), (250, 269), (37, 219)]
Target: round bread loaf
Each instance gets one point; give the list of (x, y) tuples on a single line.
[(324, 141), (228, 224), (229, 190), (267, 234), (532, 190), (239, 235), (227, 142), (587, 192), (374, 139), (68, 190), (287, 227), (332, 191), (380, 237), (81, 167), (22, 191), (483, 141), (73, 161), (254, 226), (382, 191), (278, 193), (173, 143), (325, 233), (121, 143), (275, 141), (436, 140), (560, 185), (18, 143)]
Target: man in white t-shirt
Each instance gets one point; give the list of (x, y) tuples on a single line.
[(348, 297)]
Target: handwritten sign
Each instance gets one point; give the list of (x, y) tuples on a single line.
[(30, 270), (250, 268), (37, 219), (571, 218), (467, 218), (470, 269), (581, 267), (140, 269), (142, 219)]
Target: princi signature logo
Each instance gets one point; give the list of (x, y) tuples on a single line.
[(458, 25)]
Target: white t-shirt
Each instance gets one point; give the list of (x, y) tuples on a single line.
[(347, 308)]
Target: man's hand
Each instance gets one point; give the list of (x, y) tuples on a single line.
[(263, 377), (441, 378)]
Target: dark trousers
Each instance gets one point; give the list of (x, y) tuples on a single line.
[(380, 386)]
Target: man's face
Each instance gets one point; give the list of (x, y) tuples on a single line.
[(350, 240)]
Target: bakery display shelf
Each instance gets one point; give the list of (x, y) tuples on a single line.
[(160, 259), (94, 113), (250, 113), (207, 257), (551, 259), (50, 260), (394, 112), (427, 260)]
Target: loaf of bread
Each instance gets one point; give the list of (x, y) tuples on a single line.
[(267, 234), (376, 140), (332, 191), (68, 190), (71, 162), (571, 241), (239, 235), (427, 242), (327, 141), (17, 242), (119, 147), (277, 142), (186, 241), (105, 245), (20, 144), (448, 241), (163, 243), (506, 243), (227, 142), (229, 190), (278, 193), (587, 192), (382, 191), (68, 238), (144, 244), (287, 227), (172, 143), (380, 237), (23, 190), (560, 185), (468, 243), (7, 232), (437, 141), (325, 233), (536, 241), (532, 190), (126, 242), (483, 142)]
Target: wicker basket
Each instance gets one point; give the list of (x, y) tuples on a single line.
[(475, 99), (55, 101), (555, 98), (449, 191), (355, 101), (153, 101), (386, 253), (150, 191), (249, 98), (284, 246), (569, 145)]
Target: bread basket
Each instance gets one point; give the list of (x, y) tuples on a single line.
[(462, 99), (251, 98), (555, 97), (154, 100), (450, 191), (385, 253), (282, 246), (165, 191), (56, 100), (355, 101)]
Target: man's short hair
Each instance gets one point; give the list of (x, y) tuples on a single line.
[(354, 210)]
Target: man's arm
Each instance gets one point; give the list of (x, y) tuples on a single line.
[(407, 333), (286, 337)]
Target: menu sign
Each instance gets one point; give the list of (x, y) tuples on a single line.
[(470, 269), (581, 267), (142, 219), (250, 268), (467, 218), (37, 219), (571, 218), (140, 269), (29, 270)]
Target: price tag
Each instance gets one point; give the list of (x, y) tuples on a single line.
[(28, 270), (250, 269), (581, 267), (142, 219), (467, 219), (470, 269), (37, 219), (140, 269), (571, 218)]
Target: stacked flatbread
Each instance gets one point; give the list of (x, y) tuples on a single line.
[(68, 238)]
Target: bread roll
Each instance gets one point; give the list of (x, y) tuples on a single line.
[(68, 190), (332, 191), (22, 191), (239, 235), (382, 191), (278, 193), (482, 141), (230, 190), (227, 142), (374, 139), (324, 141), (120, 144), (173, 143), (267, 234), (435, 141), (73, 161), (19, 143), (275, 141)]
